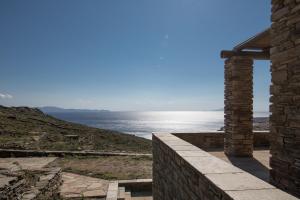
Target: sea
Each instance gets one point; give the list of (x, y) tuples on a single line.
[(143, 124)]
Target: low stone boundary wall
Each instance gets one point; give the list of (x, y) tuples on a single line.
[(7, 153), (11, 187), (215, 139), (183, 171), (46, 187)]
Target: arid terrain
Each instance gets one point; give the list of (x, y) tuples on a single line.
[(29, 128), (107, 167)]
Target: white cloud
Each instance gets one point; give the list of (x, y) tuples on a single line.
[(167, 36), (5, 96)]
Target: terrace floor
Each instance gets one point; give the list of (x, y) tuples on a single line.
[(78, 186), (257, 166)]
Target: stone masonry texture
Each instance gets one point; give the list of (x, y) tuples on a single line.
[(45, 187), (285, 95), (182, 171), (215, 140), (174, 178), (238, 106)]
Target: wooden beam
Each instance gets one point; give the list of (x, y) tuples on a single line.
[(256, 55)]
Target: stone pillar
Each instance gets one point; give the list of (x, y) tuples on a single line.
[(285, 95), (238, 106)]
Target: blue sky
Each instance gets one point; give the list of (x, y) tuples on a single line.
[(125, 55)]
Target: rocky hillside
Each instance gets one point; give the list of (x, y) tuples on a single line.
[(29, 128)]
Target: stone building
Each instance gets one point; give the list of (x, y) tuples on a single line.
[(190, 168), (280, 44), (285, 99)]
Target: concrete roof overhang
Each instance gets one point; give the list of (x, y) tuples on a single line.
[(260, 41), (256, 47)]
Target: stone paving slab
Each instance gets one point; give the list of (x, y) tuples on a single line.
[(166, 137), (76, 186), (270, 194), (177, 143), (184, 148), (257, 166), (262, 156), (238, 181), (112, 191), (28, 163), (209, 165), (193, 153)]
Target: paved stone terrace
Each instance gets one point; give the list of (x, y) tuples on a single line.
[(76, 186), (257, 166)]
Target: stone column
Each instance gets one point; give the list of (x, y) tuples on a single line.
[(285, 95), (238, 106)]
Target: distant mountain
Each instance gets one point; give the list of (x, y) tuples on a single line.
[(53, 109)]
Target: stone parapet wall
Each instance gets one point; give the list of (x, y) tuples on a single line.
[(215, 139), (285, 95), (238, 109), (183, 171)]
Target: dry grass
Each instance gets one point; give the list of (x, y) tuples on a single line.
[(110, 167)]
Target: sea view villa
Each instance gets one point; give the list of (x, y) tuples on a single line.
[(182, 170), (90, 152)]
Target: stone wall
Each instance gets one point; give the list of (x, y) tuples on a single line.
[(7, 153), (183, 171), (48, 186), (211, 140), (11, 187), (285, 91), (238, 106), (33, 185)]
